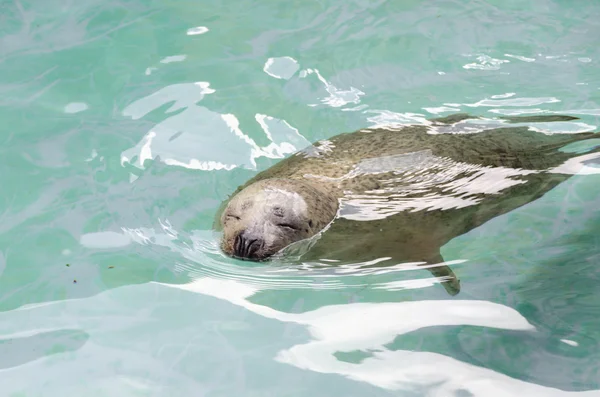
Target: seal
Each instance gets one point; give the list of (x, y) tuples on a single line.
[(390, 195)]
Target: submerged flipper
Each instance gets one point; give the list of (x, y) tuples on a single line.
[(448, 279), (544, 118)]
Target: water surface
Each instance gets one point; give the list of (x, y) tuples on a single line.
[(126, 123)]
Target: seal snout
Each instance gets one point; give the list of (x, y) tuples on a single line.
[(247, 245)]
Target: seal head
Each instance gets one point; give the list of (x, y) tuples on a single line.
[(268, 215)]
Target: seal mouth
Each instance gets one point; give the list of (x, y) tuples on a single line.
[(256, 259)]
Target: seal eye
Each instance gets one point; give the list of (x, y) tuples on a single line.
[(230, 216), (287, 226), (278, 211), (310, 223)]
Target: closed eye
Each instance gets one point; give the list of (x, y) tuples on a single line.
[(229, 216), (287, 225)]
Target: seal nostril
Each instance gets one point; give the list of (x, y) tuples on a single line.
[(238, 245), (246, 246), (253, 246)]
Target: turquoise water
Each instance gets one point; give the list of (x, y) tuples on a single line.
[(126, 123)]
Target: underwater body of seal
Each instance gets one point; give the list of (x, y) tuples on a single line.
[(127, 125)]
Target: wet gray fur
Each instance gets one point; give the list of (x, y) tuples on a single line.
[(402, 192)]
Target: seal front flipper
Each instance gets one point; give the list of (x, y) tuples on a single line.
[(448, 279)]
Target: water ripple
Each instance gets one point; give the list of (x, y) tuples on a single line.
[(205, 259)]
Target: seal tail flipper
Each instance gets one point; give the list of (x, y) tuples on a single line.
[(447, 278), (512, 147), (543, 118)]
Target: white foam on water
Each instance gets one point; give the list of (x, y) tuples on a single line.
[(76, 107), (197, 30), (281, 67)]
